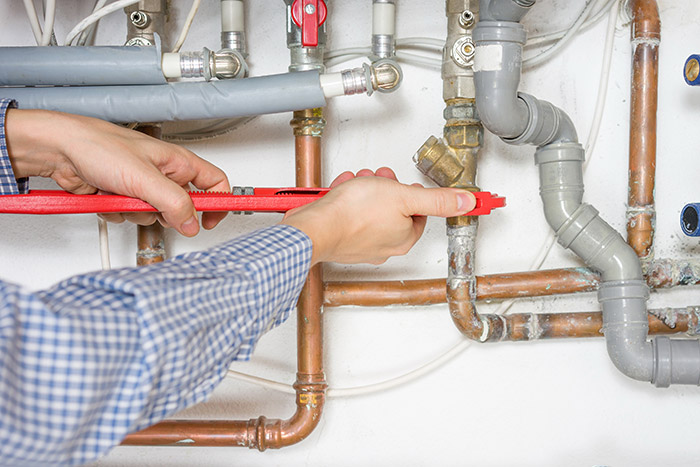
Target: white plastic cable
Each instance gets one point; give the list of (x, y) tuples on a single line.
[(186, 27), (49, 19), (421, 41), (537, 39), (33, 20), (86, 37), (537, 263), (96, 16), (104, 243), (543, 56)]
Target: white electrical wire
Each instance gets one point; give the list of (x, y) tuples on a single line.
[(538, 39), (96, 16), (186, 27), (543, 56), (33, 20), (503, 308), (49, 19), (88, 34), (104, 243), (420, 42)]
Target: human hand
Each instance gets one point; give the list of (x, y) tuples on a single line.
[(370, 217), (84, 155)]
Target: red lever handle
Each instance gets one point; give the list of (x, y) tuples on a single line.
[(309, 15), (255, 200), (485, 203)]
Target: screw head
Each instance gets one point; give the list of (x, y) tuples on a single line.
[(139, 19), (466, 19), (309, 9)]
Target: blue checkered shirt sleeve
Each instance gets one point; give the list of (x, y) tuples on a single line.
[(8, 184), (104, 354)]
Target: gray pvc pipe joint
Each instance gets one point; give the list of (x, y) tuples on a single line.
[(546, 124), (505, 10), (498, 31), (676, 361), (626, 327)]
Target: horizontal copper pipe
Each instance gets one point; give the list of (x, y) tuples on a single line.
[(663, 273), (432, 291), (533, 326)]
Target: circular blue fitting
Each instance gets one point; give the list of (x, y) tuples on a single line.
[(690, 220), (691, 70)]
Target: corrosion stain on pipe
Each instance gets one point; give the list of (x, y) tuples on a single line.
[(641, 214)]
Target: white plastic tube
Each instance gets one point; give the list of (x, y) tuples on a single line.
[(232, 16), (384, 18)]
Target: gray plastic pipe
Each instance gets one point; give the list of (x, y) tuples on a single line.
[(80, 66), (180, 101), (522, 119)]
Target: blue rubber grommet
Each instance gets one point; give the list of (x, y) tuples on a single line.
[(691, 70), (690, 220)]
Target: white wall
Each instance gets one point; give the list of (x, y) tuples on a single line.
[(547, 403)]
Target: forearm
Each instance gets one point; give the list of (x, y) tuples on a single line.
[(9, 183), (108, 353)]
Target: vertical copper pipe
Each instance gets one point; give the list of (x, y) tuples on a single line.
[(310, 386), (150, 238), (641, 215)]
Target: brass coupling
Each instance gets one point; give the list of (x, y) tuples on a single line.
[(308, 122)]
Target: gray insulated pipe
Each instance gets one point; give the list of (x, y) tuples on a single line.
[(179, 101), (522, 119)]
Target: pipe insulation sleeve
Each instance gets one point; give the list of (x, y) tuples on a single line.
[(180, 101), (232, 16), (80, 66)]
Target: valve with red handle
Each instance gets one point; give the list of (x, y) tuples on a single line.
[(309, 15), (245, 199)]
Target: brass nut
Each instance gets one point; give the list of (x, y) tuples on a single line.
[(462, 136), (439, 162)]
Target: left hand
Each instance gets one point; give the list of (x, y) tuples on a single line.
[(84, 155)]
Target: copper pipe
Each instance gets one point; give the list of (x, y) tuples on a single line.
[(641, 215), (150, 238), (432, 291), (310, 386), (533, 326), (663, 273)]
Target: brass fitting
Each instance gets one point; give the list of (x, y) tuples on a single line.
[(308, 122), (439, 162)]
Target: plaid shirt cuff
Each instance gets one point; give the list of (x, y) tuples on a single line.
[(9, 185)]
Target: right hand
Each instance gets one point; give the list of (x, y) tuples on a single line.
[(370, 217)]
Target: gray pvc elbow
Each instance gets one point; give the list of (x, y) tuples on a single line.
[(504, 10), (518, 118), (577, 225), (626, 327)]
